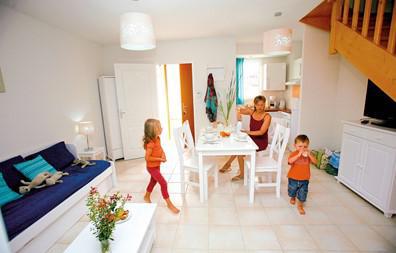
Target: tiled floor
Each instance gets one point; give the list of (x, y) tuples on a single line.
[(336, 219)]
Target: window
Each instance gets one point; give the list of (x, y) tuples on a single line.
[(252, 76)]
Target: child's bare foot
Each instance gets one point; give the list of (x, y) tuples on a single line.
[(300, 209), (171, 206), (293, 200), (226, 167), (147, 198)]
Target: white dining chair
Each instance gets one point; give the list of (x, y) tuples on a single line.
[(188, 160), (271, 163)]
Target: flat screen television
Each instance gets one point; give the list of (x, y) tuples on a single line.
[(379, 106)]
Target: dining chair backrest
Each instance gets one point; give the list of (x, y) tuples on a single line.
[(180, 143), (279, 142), (189, 141)]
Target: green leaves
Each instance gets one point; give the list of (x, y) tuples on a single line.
[(229, 100)]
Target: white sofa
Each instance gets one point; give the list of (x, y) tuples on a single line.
[(42, 234)]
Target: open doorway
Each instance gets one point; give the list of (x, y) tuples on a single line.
[(175, 96)]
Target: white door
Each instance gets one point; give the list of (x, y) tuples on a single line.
[(377, 172), (137, 100), (351, 162)]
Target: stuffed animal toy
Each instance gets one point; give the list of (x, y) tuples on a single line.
[(83, 163), (41, 180), (55, 178), (35, 183)]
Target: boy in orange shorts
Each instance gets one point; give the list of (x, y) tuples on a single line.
[(299, 172)]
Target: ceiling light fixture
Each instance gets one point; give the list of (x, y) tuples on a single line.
[(136, 31), (277, 42)]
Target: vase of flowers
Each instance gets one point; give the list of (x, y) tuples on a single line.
[(104, 212), (228, 101)]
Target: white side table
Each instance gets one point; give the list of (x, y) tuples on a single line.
[(135, 235), (97, 153)]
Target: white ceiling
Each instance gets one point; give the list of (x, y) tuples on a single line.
[(98, 20)]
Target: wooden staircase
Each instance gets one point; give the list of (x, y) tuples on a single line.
[(364, 32)]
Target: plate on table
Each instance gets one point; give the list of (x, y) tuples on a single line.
[(124, 220), (211, 140), (242, 137)]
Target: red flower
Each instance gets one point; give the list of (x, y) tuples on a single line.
[(93, 190)]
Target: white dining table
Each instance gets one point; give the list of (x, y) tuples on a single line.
[(225, 146)]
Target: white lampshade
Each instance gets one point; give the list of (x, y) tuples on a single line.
[(86, 127), (136, 31), (277, 42)]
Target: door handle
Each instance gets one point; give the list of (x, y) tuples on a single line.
[(122, 113)]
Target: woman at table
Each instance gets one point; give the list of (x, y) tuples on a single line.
[(258, 131)]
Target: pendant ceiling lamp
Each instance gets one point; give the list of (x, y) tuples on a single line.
[(277, 42), (136, 31)]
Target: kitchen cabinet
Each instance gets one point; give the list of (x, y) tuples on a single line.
[(368, 164), (274, 76)]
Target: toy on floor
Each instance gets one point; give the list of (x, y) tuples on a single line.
[(83, 163), (41, 180)]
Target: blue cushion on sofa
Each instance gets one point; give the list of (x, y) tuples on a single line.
[(32, 168), (7, 195), (12, 176), (57, 155)]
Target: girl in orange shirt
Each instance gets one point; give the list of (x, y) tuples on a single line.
[(299, 172), (154, 157)]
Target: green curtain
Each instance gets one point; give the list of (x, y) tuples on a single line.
[(239, 81)]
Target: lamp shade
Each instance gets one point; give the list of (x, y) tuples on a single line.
[(86, 127), (136, 31), (277, 42)]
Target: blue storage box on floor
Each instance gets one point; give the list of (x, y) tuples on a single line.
[(335, 160)]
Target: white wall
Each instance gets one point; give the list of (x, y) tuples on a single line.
[(318, 89), (350, 98), (50, 79), (332, 91), (202, 53)]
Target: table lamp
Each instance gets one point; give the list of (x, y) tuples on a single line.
[(86, 128)]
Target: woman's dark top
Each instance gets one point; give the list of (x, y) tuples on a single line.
[(260, 140)]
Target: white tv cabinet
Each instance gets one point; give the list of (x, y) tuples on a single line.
[(368, 164)]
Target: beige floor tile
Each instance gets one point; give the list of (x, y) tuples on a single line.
[(165, 216), (225, 238), (372, 215), (242, 200), (161, 250), (282, 215), (221, 200), (58, 248), (72, 233), (194, 215), (252, 216), (329, 237), (322, 199), (270, 200), (294, 237), (350, 199), (192, 200), (189, 251), (366, 238), (223, 216), (192, 237), (260, 238), (165, 235), (387, 232), (341, 215), (315, 216)]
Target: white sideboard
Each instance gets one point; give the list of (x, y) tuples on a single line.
[(368, 164)]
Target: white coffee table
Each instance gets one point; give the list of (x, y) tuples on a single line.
[(134, 235)]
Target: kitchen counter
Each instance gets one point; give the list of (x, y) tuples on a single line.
[(277, 110)]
